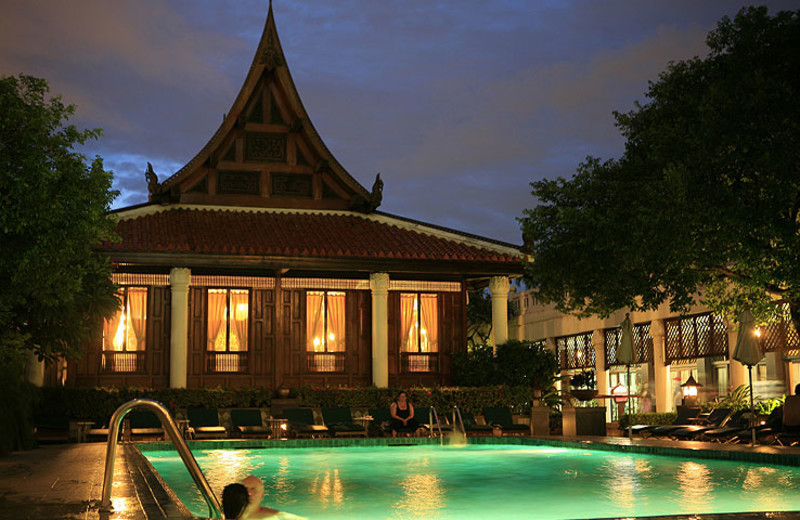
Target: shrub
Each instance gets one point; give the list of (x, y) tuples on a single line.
[(650, 418)]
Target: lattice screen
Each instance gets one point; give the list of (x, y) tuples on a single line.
[(697, 336), (642, 344), (780, 334), (575, 351)]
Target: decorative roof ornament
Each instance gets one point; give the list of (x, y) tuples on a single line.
[(359, 203), (271, 57), (153, 186)]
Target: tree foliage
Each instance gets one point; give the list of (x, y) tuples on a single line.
[(479, 318), (518, 363), (704, 203), (53, 209)]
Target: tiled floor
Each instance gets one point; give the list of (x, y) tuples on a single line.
[(65, 481)]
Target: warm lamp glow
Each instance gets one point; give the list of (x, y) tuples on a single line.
[(690, 391), (757, 332), (332, 336), (119, 336)]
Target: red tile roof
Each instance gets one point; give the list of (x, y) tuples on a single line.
[(307, 234)]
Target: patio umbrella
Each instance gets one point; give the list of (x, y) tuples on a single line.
[(625, 356), (748, 352)]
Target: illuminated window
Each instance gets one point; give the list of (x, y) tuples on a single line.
[(228, 313), (124, 334), (419, 323), (325, 330)]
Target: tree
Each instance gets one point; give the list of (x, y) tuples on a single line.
[(54, 289), (704, 203), (479, 318)]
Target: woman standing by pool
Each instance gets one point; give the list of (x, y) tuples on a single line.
[(402, 413)]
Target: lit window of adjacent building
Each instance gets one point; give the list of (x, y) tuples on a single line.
[(125, 333), (419, 326), (228, 313), (325, 330)]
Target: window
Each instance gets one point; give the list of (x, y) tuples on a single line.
[(228, 313), (419, 322), (325, 331), (124, 334)]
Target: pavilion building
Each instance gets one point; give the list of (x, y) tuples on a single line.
[(264, 262)]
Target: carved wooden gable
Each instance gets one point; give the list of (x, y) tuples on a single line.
[(266, 153)]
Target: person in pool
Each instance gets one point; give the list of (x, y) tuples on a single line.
[(242, 501), (402, 413)]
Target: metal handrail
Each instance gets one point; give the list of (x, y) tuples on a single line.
[(431, 416), (214, 508), (458, 420)]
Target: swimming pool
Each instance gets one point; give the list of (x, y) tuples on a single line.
[(503, 481)]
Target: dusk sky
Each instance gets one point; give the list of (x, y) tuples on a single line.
[(459, 104)]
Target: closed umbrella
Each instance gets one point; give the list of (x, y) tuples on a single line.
[(748, 352), (625, 356)]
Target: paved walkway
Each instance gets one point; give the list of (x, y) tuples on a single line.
[(64, 482)]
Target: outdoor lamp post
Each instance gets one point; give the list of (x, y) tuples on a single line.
[(690, 391)]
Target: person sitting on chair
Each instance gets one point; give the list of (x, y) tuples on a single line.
[(402, 412)]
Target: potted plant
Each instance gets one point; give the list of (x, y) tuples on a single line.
[(583, 386)]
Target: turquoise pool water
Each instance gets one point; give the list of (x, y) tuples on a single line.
[(485, 481)]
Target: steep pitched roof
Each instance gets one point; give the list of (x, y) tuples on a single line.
[(206, 231), (266, 152)]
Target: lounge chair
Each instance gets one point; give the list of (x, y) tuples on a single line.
[(684, 418), (144, 424), (471, 426), (716, 419), (738, 421), (247, 422), (789, 434), (204, 424), (501, 417), (301, 423), (381, 421), (340, 423)]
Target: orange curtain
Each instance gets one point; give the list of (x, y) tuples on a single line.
[(429, 323), (137, 316), (408, 323), (315, 327), (240, 311), (336, 323), (111, 326), (216, 318)]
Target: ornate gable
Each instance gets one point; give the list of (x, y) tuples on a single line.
[(266, 153)]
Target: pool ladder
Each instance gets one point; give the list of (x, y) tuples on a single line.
[(457, 420), (160, 411), (433, 421)]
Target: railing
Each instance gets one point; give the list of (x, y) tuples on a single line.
[(123, 361), (325, 361), (228, 362), (457, 420), (419, 362), (433, 419), (214, 508)]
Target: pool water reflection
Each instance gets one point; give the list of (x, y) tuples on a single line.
[(486, 481)]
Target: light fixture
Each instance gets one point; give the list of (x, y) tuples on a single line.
[(689, 389)]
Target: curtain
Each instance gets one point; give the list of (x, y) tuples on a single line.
[(216, 318), (408, 323), (240, 310), (137, 316), (111, 328), (429, 323), (315, 327), (336, 323)]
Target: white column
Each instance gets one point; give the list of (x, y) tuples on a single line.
[(660, 370), (737, 372), (34, 370), (498, 286), (601, 374), (179, 280), (379, 284)]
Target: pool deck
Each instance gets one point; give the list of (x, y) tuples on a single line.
[(65, 481)]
